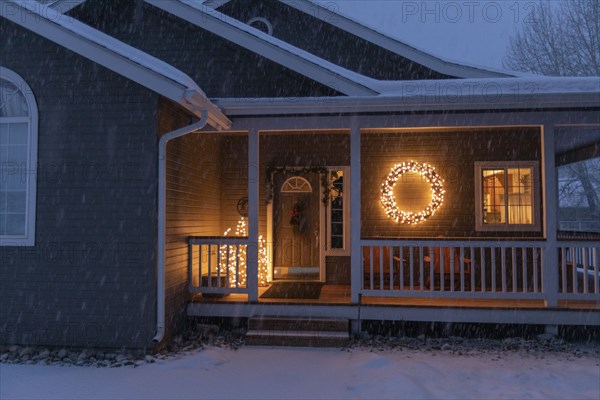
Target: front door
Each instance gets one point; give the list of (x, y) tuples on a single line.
[(296, 226)]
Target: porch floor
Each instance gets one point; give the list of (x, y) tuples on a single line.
[(340, 295)]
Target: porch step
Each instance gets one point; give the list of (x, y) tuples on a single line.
[(309, 332)]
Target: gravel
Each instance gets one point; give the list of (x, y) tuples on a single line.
[(200, 336)]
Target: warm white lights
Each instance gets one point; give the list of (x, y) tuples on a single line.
[(389, 201), (263, 269)]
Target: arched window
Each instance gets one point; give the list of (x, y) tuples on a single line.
[(262, 24), (18, 160), (296, 184)]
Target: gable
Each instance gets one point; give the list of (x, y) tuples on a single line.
[(330, 42), (114, 55), (222, 68)]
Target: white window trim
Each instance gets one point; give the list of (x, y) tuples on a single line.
[(345, 251), (29, 238), (479, 225), (265, 21)]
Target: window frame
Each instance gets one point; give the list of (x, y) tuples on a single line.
[(344, 251), (507, 227), (28, 239)]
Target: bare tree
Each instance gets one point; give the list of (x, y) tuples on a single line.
[(558, 41)]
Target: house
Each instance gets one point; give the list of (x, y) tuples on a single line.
[(162, 160)]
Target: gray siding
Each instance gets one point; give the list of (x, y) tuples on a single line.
[(453, 154), (329, 42), (276, 150), (220, 67), (193, 204), (90, 278)]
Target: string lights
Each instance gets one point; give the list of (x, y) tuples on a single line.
[(263, 269), (388, 200)]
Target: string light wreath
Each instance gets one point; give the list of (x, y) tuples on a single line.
[(389, 201)]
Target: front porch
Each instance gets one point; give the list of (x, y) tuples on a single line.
[(450, 267)]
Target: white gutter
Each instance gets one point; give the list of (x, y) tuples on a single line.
[(162, 192)]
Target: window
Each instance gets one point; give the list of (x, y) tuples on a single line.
[(338, 228), (579, 196), (18, 153), (507, 196), (262, 24)]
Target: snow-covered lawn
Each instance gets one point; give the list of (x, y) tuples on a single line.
[(302, 373)]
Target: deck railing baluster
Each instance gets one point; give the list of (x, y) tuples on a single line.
[(483, 269), (503, 260), (535, 271), (574, 268), (401, 267)]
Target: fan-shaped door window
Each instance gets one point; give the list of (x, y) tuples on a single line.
[(296, 184), (18, 153)]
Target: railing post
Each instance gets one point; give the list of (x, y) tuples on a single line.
[(356, 251), (252, 249), (550, 202)]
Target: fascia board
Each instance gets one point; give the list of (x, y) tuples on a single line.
[(283, 54), (64, 6), (50, 24), (395, 46), (388, 104)]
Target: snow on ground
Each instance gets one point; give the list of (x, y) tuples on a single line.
[(303, 373)]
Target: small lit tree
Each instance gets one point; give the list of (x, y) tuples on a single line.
[(263, 269)]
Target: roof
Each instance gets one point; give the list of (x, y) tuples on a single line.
[(527, 93), (370, 34), (204, 15), (115, 55)]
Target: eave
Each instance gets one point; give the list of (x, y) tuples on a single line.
[(293, 58), (349, 25), (114, 55)]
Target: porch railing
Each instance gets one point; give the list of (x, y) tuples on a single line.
[(579, 270), (477, 269), (217, 264), (452, 269)]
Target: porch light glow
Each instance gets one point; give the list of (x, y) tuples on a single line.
[(389, 201), (263, 269)]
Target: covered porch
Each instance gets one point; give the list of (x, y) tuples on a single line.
[(449, 266)]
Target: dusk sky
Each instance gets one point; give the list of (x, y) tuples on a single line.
[(468, 31)]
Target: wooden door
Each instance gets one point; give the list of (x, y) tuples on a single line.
[(296, 226)]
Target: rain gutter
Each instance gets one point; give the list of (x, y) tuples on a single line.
[(162, 191)]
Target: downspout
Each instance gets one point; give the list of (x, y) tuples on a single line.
[(162, 191)]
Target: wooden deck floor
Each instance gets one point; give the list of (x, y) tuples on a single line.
[(340, 295)]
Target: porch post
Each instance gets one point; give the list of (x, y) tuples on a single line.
[(550, 203), (355, 228), (252, 251)]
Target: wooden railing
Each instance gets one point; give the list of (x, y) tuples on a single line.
[(459, 269), (217, 265), (579, 270)]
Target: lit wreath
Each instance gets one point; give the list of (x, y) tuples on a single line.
[(389, 201)]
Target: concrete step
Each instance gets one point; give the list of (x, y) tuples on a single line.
[(301, 338), (298, 324)]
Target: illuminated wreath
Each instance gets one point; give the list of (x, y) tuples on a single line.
[(389, 201)]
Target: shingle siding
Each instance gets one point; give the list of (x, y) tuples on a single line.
[(90, 278), (192, 204), (221, 68), (453, 154), (327, 41)]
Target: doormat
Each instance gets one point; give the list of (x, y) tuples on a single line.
[(293, 290)]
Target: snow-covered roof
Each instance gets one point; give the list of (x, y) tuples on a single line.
[(527, 93), (332, 75), (301, 61), (115, 55), (393, 45)]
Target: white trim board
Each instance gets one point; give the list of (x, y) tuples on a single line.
[(371, 35), (64, 6), (117, 56), (276, 50)]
